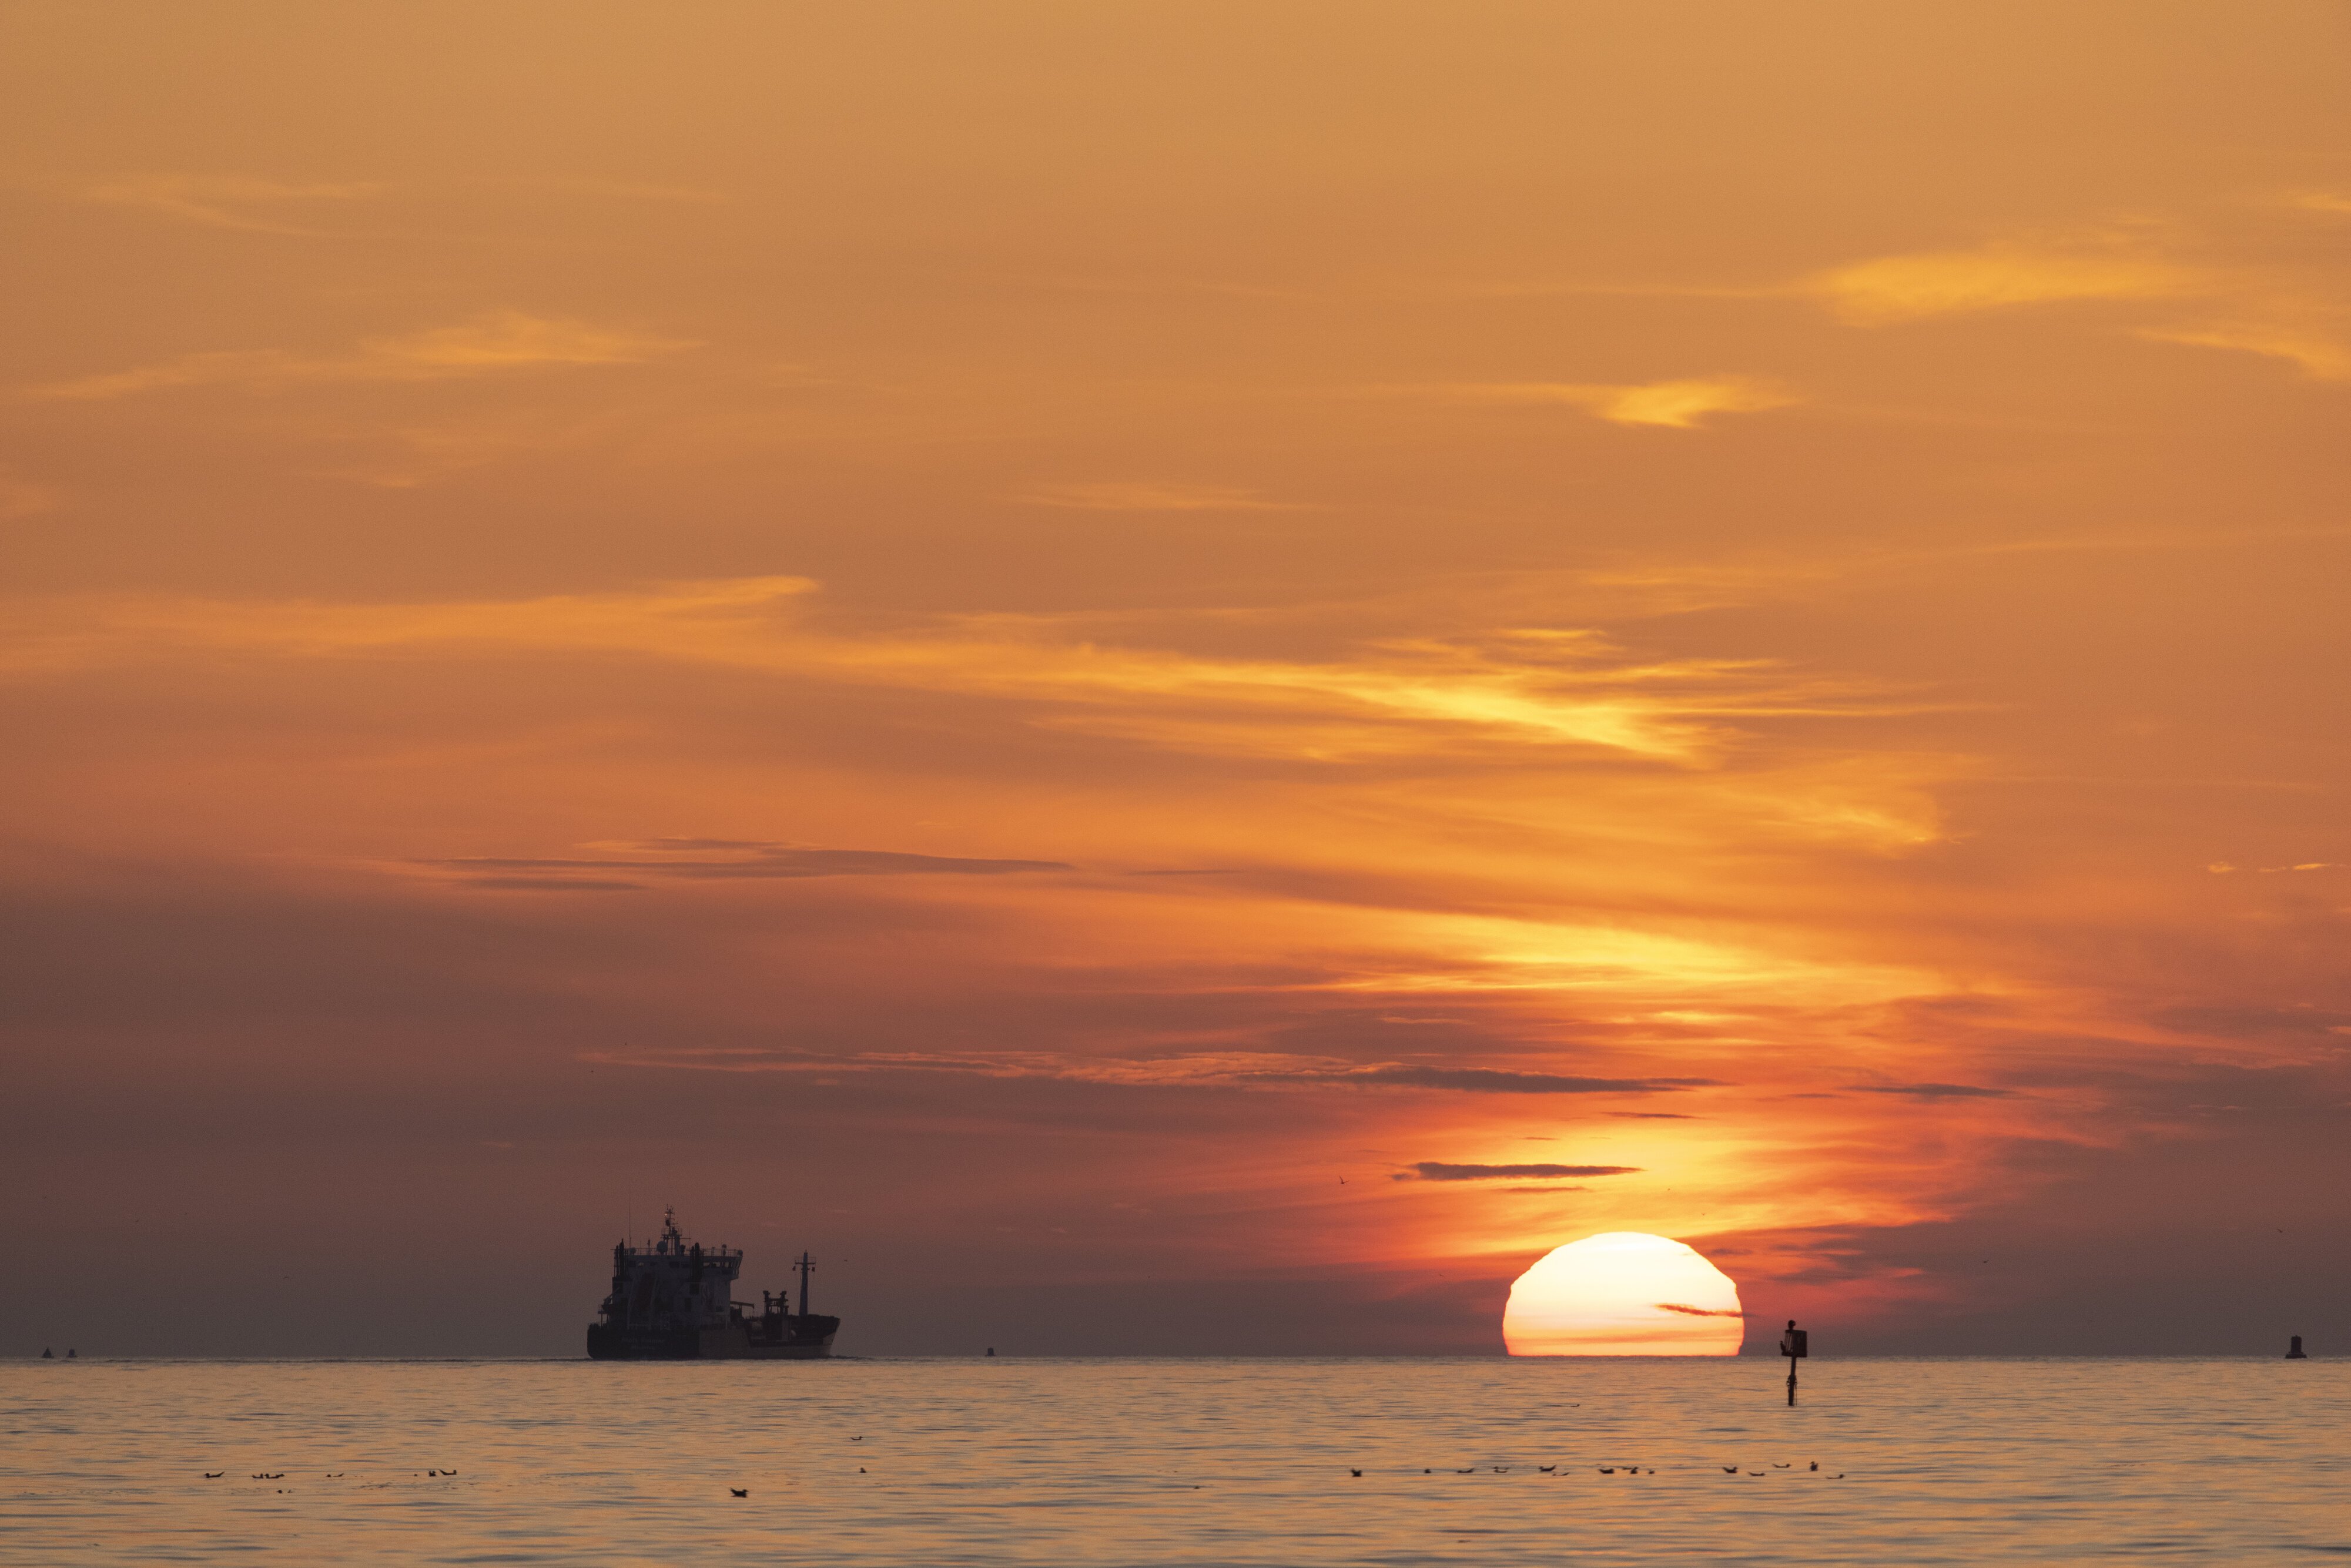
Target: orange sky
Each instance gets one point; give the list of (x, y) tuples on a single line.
[(1006, 640)]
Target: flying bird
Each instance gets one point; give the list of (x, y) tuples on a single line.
[(214, 1475), (741, 1491), (1605, 1469), (1730, 1470), (1352, 1472), (1548, 1468)]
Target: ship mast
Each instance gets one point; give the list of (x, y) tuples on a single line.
[(806, 1263)]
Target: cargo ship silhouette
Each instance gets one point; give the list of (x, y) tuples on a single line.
[(672, 1301)]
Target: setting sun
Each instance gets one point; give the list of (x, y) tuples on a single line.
[(1623, 1292)]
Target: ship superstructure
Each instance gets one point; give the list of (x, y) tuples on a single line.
[(673, 1301)]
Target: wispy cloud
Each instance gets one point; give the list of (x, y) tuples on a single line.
[(1148, 496), (500, 341), (1436, 1170), (736, 862), (1691, 1311), (1264, 1070), (1496, 1081), (1933, 1091), (226, 201), (2216, 302), (1673, 405), (2316, 342), (1895, 289), (1529, 686)]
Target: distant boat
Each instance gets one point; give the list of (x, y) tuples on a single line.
[(2294, 1351), (672, 1301)]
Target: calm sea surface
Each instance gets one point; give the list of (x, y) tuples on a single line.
[(1103, 1462)]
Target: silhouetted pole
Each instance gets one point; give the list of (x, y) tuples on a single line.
[(1795, 1345)]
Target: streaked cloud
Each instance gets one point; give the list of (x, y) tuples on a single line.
[(2229, 298), (242, 202), (1895, 289), (1436, 1170), (1146, 496), (1552, 688), (1933, 1091), (1267, 1069), (1682, 404), (1496, 1081), (740, 863), (498, 340), (2319, 349)]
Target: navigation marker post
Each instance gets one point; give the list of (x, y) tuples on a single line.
[(1795, 1345)]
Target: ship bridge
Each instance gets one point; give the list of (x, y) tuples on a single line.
[(670, 1283)]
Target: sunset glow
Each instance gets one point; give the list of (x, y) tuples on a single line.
[(1184, 677)]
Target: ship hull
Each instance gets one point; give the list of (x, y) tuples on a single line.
[(732, 1342)]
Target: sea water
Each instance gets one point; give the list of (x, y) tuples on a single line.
[(934, 1462)]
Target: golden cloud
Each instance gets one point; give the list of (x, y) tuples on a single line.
[(1525, 686), (222, 201), (1941, 283), (497, 341), (2320, 355), (1674, 404), (1145, 496)]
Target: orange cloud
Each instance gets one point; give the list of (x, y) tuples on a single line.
[(1672, 404), (1537, 686), (1146, 496), (1897, 288), (497, 340), (2306, 343), (225, 200)]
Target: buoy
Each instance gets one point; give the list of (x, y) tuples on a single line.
[(2294, 1351)]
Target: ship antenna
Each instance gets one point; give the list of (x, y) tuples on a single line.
[(807, 1263)]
